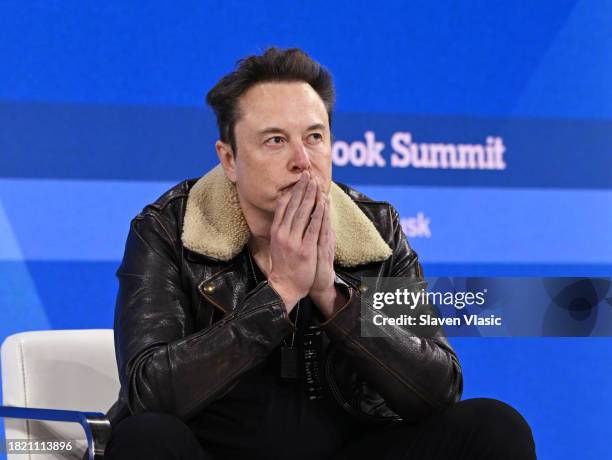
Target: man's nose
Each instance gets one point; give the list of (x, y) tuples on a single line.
[(300, 160)]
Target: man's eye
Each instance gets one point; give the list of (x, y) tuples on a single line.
[(275, 140), (316, 137)]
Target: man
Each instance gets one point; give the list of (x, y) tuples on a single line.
[(237, 322)]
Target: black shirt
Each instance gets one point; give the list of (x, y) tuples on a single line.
[(267, 417)]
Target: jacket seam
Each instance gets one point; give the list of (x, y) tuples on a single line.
[(155, 217), (214, 389), (386, 368), (211, 393), (168, 201), (210, 334)]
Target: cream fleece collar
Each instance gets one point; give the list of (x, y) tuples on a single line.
[(214, 225)]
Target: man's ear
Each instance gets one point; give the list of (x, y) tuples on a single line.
[(227, 160)]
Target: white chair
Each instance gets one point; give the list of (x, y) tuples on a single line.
[(53, 377)]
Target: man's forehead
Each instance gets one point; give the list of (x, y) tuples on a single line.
[(282, 103)]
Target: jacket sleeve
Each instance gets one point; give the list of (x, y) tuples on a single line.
[(415, 375), (164, 364)]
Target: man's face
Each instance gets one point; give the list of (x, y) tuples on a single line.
[(282, 130)]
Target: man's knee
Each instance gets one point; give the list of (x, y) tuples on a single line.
[(153, 426), (152, 435), (498, 426)]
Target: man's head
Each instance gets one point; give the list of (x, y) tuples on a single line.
[(274, 118), (274, 65)]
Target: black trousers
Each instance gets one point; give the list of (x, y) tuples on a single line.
[(473, 429)]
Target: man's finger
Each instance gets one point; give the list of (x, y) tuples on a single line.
[(279, 210), (327, 217), (322, 229), (300, 219), (297, 194), (330, 237), (312, 231)]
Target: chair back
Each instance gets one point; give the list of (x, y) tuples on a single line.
[(59, 369)]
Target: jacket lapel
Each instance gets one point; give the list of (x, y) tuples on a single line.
[(227, 287)]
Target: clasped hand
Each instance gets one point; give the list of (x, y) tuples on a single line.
[(302, 245)]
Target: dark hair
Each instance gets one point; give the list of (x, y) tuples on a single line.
[(274, 64)]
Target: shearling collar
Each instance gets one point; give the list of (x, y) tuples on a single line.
[(214, 225)]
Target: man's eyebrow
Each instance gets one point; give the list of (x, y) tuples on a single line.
[(275, 130), (316, 126)]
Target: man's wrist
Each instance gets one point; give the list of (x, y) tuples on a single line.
[(289, 299), (329, 301)]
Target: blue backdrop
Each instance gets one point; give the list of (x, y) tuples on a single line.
[(488, 126)]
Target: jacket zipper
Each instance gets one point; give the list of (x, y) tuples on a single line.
[(334, 388)]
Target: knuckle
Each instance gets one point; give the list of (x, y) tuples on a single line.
[(281, 238), (289, 242)]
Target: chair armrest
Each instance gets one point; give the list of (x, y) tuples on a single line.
[(97, 427)]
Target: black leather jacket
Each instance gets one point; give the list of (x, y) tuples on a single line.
[(187, 324)]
